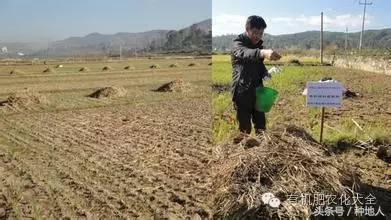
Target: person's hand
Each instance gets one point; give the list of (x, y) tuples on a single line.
[(270, 54)]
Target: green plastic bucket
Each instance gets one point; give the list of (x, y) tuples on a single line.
[(265, 98)]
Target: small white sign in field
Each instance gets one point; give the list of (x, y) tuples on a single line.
[(324, 94)]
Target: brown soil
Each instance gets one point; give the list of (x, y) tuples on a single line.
[(108, 163)]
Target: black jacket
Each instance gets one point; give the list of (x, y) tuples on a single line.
[(248, 68)]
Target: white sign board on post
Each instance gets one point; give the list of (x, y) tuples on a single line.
[(324, 94)]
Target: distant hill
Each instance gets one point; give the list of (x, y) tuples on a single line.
[(195, 38), (96, 43), (373, 39)]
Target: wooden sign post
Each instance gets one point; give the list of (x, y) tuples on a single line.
[(324, 94)]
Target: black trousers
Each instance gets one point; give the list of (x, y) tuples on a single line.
[(246, 113)]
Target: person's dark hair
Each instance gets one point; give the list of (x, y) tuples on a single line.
[(255, 21)]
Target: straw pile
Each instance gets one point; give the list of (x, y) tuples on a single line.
[(109, 92), (177, 85), (129, 68), (25, 99), (154, 66), (107, 68), (49, 70), (16, 72), (84, 69), (173, 65), (284, 162)]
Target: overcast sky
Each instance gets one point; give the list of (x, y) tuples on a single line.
[(292, 16), (48, 20)]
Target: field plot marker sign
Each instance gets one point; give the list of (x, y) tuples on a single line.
[(324, 94)]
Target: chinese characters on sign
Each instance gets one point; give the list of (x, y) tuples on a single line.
[(324, 94)]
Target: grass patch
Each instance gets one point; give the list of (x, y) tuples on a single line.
[(222, 73), (224, 117), (290, 107)]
